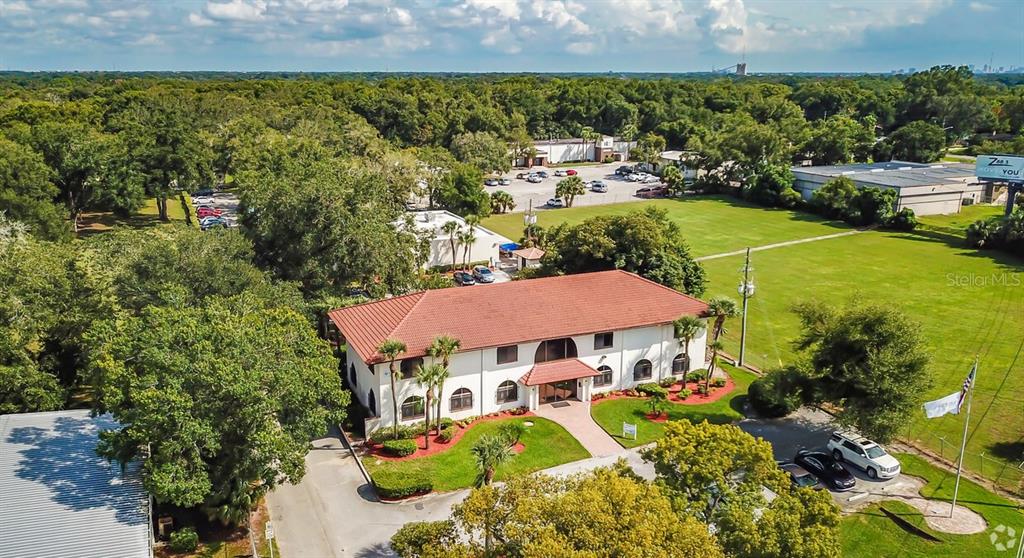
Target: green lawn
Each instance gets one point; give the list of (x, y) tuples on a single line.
[(710, 224), (146, 216), (957, 224), (612, 413), (967, 302), (547, 444), (870, 534)]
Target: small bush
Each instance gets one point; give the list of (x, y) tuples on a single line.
[(667, 382), (905, 220), (684, 393), (718, 382), (696, 375), (400, 448), (651, 389), (778, 393), (413, 538), (184, 540), (398, 483), (446, 422), (519, 411), (446, 434), (512, 431), (597, 396), (702, 389), (405, 432)]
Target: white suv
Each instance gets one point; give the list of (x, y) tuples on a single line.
[(863, 453)]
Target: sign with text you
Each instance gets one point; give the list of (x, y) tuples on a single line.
[(1000, 167)]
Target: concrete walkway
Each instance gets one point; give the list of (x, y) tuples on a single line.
[(575, 417), (779, 245)]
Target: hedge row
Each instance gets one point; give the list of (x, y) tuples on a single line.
[(395, 483)]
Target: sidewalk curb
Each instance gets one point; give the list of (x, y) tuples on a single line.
[(359, 462)]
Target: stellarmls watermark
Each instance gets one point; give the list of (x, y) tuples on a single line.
[(984, 280)]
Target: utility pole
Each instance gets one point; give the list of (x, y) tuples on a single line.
[(746, 289)]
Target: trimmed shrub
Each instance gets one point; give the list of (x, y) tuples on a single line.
[(668, 382), (405, 432), (446, 434), (904, 220), (400, 448), (398, 483), (696, 375), (718, 382), (184, 540), (412, 538), (702, 389), (684, 393), (512, 431), (651, 389), (446, 422), (778, 393)]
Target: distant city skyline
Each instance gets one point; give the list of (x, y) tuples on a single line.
[(508, 35)]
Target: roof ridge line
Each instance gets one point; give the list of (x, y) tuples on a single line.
[(423, 294)]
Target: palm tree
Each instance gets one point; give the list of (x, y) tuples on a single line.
[(686, 328), (442, 348), (569, 188), (716, 347), (426, 377), (721, 308), (390, 349), (502, 201), (490, 452), (451, 228), (467, 238)]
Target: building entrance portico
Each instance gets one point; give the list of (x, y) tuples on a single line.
[(558, 391)]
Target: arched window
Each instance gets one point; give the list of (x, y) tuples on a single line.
[(461, 400), (352, 379), (555, 349), (413, 408), (642, 370), (508, 392), (371, 402), (680, 364), (605, 379), (410, 366)]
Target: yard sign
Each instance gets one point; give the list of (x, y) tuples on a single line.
[(628, 430)]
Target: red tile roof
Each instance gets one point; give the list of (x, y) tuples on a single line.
[(529, 253), (515, 312), (557, 371)]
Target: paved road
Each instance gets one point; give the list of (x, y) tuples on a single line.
[(334, 513)]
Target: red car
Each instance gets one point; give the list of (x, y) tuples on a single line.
[(652, 192), (204, 212), (570, 172)]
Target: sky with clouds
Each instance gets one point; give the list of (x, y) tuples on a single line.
[(508, 35)]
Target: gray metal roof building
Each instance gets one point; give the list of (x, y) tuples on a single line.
[(926, 188), (58, 498)]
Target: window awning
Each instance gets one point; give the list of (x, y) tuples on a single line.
[(557, 371)]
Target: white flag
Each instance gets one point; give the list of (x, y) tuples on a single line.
[(948, 405)]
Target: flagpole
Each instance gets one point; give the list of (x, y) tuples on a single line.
[(963, 444)]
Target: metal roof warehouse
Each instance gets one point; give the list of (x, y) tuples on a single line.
[(58, 498)]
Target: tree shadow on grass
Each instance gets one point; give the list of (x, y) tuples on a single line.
[(1010, 451)]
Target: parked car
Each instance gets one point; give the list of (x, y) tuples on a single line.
[(560, 172), (828, 470), (505, 181), (624, 170), (542, 174), (210, 222), (201, 200), (491, 182), (800, 477), (571, 172), (651, 179), (652, 192), (205, 211), (864, 454), (555, 203), (463, 278), (411, 206), (598, 186), (522, 175), (534, 179), (483, 274), (203, 192)]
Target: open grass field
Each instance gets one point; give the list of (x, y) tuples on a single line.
[(547, 444), (966, 302), (870, 534), (147, 216), (612, 413), (710, 224)]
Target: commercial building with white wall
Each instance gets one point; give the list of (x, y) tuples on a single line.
[(484, 248), (572, 150), (523, 343), (928, 189)]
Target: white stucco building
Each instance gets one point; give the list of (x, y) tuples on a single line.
[(928, 189), (523, 343), (572, 150), (484, 248)]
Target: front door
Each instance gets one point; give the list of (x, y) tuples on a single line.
[(558, 391)]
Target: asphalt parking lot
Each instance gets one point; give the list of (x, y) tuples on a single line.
[(226, 202), (523, 192)]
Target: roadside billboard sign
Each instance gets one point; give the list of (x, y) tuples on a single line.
[(1008, 168)]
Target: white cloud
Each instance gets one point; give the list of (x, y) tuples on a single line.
[(149, 39), (18, 7), (580, 47), (560, 14), (237, 10), (981, 7), (508, 9), (199, 20), (135, 12)]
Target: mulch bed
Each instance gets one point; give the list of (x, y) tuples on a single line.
[(377, 450), (673, 394), (661, 417)]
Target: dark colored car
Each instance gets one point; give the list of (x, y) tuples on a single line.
[(800, 477), (624, 170), (652, 192), (203, 192), (206, 223), (542, 174), (828, 470), (463, 279)]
